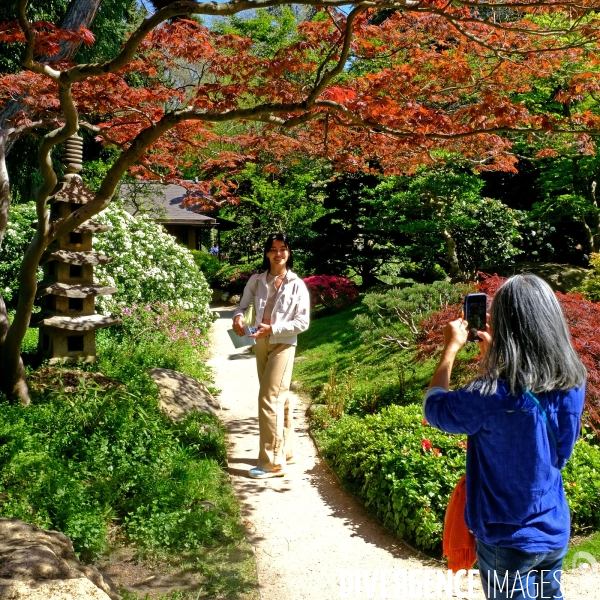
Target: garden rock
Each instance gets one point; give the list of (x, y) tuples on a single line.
[(181, 394), (561, 278), (236, 299), (225, 296), (40, 565)]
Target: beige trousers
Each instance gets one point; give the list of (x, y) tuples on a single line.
[(274, 363)]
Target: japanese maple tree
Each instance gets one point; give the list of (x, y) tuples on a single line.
[(396, 83)]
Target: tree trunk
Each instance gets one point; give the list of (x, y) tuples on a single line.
[(79, 13), (12, 373)]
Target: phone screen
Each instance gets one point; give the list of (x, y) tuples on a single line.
[(475, 314)]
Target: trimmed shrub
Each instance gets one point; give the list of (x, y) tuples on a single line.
[(392, 317), (406, 470), (331, 291)]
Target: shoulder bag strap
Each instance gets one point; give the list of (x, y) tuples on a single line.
[(544, 415)]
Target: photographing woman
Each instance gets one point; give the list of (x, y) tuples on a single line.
[(282, 307), (522, 415)]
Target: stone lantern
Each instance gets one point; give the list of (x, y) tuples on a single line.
[(68, 319)]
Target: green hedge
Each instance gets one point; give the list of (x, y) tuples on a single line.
[(405, 470)]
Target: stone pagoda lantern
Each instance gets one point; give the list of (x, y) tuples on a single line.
[(68, 319)]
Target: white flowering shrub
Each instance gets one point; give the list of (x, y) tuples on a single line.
[(17, 237), (149, 266)]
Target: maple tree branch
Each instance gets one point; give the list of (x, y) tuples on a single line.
[(28, 61), (345, 52)]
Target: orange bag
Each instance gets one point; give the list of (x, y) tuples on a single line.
[(458, 542)]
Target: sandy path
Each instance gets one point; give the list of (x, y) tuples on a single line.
[(304, 528)]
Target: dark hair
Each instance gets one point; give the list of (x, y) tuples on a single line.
[(531, 345), (282, 237)]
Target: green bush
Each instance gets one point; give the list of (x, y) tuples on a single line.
[(208, 264), (81, 461), (581, 477), (405, 470), (233, 278), (392, 317), (590, 288), (17, 237), (149, 266)]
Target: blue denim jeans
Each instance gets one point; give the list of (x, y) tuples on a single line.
[(511, 573)]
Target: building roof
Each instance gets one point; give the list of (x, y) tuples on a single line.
[(165, 201)]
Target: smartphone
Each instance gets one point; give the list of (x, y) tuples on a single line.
[(475, 312)]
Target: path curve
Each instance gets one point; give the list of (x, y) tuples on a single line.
[(304, 527)]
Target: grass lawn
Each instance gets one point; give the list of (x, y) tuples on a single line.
[(332, 342)]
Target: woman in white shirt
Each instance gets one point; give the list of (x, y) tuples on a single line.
[(282, 308)]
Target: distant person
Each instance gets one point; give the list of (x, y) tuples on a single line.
[(282, 309), (215, 250), (522, 415)]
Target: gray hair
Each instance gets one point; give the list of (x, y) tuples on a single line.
[(531, 344)]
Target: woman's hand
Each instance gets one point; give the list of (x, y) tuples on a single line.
[(455, 335), (238, 325), (263, 331)]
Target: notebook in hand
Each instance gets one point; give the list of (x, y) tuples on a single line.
[(239, 341)]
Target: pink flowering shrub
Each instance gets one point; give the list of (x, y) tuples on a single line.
[(331, 291), (158, 320)]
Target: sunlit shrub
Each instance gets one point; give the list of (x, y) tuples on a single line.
[(331, 291)]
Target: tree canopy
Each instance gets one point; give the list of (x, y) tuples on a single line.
[(391, 85)]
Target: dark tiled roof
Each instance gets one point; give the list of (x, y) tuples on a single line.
[(172, 211)]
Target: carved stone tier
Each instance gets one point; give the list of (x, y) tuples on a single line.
[(87, 227), (92, 227), (78, 258), (74, 192), (74, 291), (87, 323)]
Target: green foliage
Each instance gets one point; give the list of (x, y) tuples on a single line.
[(114, 20), (400, 226), (380, 458), (590, 288), (268, 29), (80, 460), (406, 470), (149, 266), (126, 352), (233, 278), (208, 264), (289, 201), (392, 317), (17, 237), (444, 202), (581, 477)]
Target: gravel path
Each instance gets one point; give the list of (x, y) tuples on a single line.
[(306, 531)]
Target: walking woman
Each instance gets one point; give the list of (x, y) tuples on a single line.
[(522, 415), (282, 308)]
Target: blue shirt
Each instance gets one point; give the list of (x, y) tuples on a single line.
[(515, 495)]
